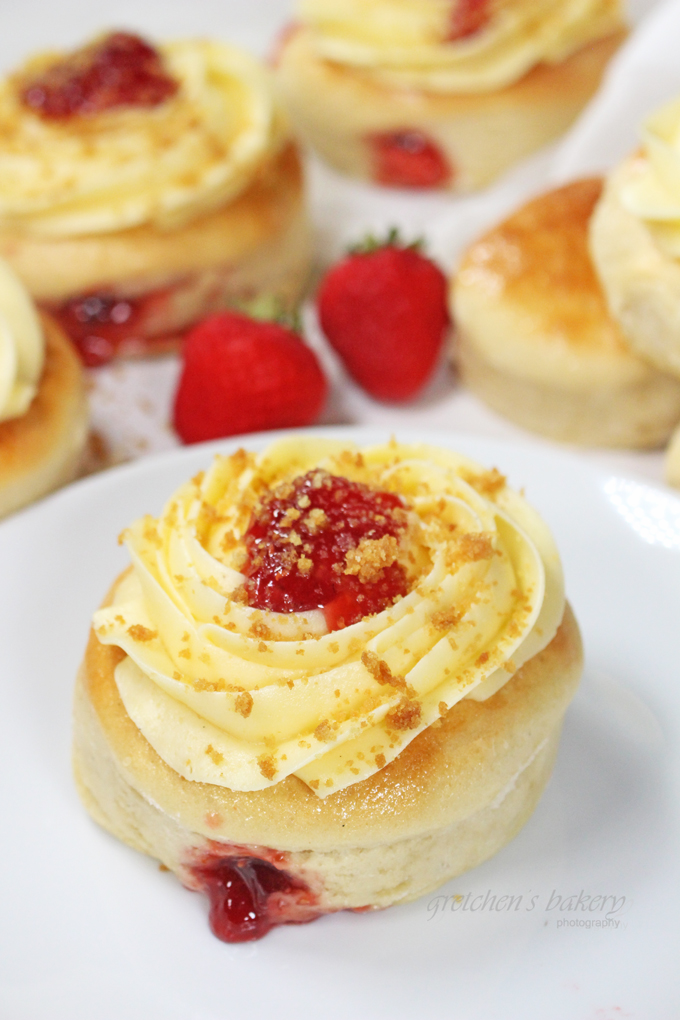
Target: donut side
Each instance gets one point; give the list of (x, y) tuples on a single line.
[(458, 793), (137, 290), (464, 141), (43, 449), (536, 341)]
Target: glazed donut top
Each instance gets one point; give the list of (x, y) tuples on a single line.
[(162, 164), (22, 346), (239, 696), (651, 188), (455, 45)]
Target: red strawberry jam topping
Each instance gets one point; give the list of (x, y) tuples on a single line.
[(324, 542), (101, 325), (408, 159), (248, 896), (119, 70), (469, 17)]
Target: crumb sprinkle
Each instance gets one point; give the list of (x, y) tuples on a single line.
[(243, 704), (404, 716), (216, 757), (267, 766), (323, 731), (140, 633), (382, 673)]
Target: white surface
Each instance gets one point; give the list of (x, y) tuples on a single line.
[(90, 930)]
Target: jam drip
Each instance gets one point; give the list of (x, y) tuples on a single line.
[(248, 896), (408, 159), (102, 326), (119, 70), (315, 543), (468, 18)]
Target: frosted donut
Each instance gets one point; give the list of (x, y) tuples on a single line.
[(535, 339), (361, 798), (430, 93), (131, 223)]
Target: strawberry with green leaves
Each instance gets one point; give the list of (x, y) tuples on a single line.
[(242, 374), (384, 310)]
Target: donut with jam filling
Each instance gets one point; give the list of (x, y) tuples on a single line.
[(157, 185), (289, 761), (444, 94)]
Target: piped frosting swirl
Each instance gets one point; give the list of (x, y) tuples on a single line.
[(415, 43), (242, 697), (163, 165), (651, 191)]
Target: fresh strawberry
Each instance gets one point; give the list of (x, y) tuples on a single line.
[(241, 374), (384, 311)]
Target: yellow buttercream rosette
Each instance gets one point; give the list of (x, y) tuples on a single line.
[(22, 346), (241, 697), (409, 42), (130, 166), (652, 192)]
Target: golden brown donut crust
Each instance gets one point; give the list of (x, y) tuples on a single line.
[(55, 422), (131, 262), (536, 340), (448, 772), (539, 258)]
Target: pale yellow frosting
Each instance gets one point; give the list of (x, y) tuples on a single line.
[(22, 346), (163, 165), (652, 193), (242, 698), (407, 42)]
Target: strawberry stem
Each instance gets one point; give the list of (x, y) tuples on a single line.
[(271, 308), (393, 239)]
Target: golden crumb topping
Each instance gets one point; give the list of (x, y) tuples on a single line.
[(370, 558), (140, 633), (244, 704), (267, 765), (406, 715)]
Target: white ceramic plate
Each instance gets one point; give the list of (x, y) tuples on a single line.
[(90, 930)]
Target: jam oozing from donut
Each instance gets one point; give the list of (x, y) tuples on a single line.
[(468, 17), (248, 896), (101, 325), (119, 70), (324, 542), (408, 159)]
